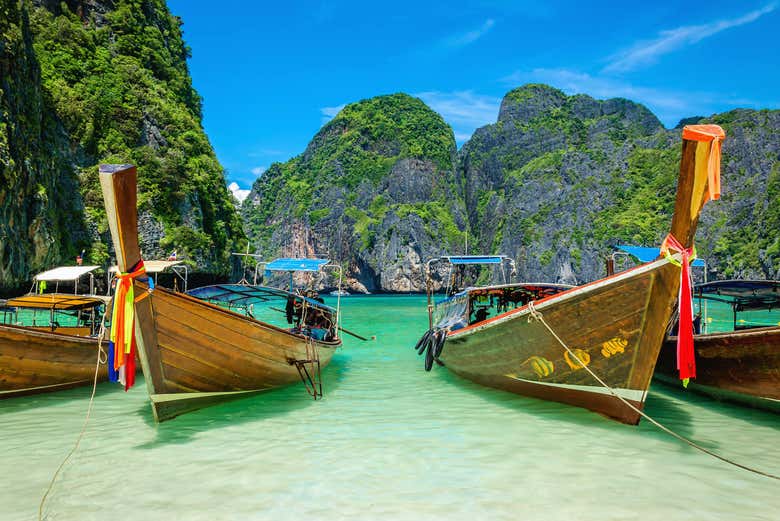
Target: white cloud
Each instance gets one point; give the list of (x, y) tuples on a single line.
[(463, 110), (329, 113), (574, 82), (669, 105), (467, 38), (258, 170), (237, 192), (647, 52)]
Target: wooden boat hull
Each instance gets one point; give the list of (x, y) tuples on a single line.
[(611, 324), (194, 353), (738, 366), (34, 361)]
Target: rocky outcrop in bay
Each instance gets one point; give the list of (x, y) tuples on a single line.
[(374, 190), (560, 180), (556, 183)]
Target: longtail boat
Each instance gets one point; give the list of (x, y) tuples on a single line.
[(48, 341), (740, 365), (193, 352), (612, 328)]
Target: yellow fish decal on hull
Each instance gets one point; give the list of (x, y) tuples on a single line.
[(580, 354), (541, 366), (613, 346)]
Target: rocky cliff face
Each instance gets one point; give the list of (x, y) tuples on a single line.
[(106, 81), (41, 212), (740, 235), (556, 183), (560, 180), (374, 190)]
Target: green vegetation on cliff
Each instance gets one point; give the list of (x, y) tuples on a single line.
[(355, 152), (375, 184), (569, 177), (40, 221), (743, 235), (118, 80)]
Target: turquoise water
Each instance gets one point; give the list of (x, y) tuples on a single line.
[(719, 316), (388, 441)]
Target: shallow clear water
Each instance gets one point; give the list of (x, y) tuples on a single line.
[(719, 316), (389, 441)]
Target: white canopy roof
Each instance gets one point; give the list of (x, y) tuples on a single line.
[(65, 273), (154, 266)]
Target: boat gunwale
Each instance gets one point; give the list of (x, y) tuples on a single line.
[(56, 335), (259, 323), (754, 331), (558, 297)]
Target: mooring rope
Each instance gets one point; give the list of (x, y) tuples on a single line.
[(101, 359), (536, 315)]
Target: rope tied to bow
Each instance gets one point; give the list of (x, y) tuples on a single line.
[(536, 316)]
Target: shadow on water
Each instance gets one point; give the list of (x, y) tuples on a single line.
[(663, 409), (754, 416), (272, 404), (50, 399)]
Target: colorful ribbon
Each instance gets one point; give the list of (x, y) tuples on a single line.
[(715, 135), (686, 362), (122, 346)]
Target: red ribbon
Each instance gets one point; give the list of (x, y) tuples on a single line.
[(686, 362)]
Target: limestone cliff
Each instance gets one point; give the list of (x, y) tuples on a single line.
[(41, 212), (374, 190), (559, 180), (555, 183), (105, 81)]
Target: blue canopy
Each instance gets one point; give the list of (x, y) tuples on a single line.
[(645, 254), (244, 295), (475, 259), (296, 264)]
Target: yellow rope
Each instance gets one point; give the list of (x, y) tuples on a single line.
[(536, 315), (101, 359)]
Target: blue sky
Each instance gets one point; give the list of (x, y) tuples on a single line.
[(271, 73)]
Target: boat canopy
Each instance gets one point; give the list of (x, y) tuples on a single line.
[(287, 264), (244, 295), (474, 259), (154, 266), (65, 273), (646, 254), (743, 294), (57, 301)]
